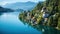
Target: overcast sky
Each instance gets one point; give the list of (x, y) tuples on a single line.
[(3, 2)]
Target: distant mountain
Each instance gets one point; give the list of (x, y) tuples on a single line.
[(19, 10), (2, 10), (21, 5)]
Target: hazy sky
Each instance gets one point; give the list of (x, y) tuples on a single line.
[(3, 2)]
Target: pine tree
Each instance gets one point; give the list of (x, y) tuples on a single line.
[(53, 7)]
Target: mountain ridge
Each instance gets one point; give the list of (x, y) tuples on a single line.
[(21, 5)]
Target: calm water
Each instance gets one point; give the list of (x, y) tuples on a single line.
[(10, 24)]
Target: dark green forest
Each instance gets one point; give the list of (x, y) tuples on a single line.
[(53, 7)]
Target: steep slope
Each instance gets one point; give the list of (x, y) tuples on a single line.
[(36, 14)]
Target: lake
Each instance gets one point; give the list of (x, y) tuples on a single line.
[(10, 24)]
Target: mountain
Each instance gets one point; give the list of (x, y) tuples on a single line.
[(2, 10), (53, 20), (21, 5), (19, 10)]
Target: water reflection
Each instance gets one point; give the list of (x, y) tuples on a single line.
[(10, 24), (1, 14), (46, 29)]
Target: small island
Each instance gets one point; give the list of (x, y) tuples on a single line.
[(45, 13)]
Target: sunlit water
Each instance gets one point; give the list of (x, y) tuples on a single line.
[(10, 24)]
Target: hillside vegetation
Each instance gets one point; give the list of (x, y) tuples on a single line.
[(35, 15)]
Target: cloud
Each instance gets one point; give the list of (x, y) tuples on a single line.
[(21, 0), (3, 2)]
